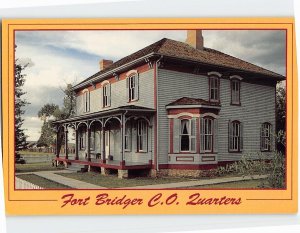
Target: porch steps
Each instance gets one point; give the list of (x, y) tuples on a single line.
[(75, 167)]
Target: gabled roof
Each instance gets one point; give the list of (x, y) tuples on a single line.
[(192, 101), (181, 50)]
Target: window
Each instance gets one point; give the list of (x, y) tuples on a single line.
[(214, 89), (142, 136), (235, 136), (106, 95), (86, 101), (92, 139), (132, 87), (82, 140), (235, 92), (185, 135), (127, 142), (265, 137), (208, 135)]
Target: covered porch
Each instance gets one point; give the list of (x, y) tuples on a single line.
[(119, 139)]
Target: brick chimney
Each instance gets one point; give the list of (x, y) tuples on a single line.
[(195, 39), (105, 63)]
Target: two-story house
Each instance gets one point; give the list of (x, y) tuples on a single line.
[(174, 108)]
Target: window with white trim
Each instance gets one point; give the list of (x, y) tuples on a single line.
[(214, 89), (127, 145), (265, 137), (184, 135), (132, 83), (92, 138), (106, 97), (82, 140), (235, 91), (142, 136), (208, 134), (235, 136), (86, 101)]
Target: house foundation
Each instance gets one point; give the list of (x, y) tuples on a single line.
[(122, 174)]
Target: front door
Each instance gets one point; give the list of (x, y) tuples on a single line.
[(107, 144)]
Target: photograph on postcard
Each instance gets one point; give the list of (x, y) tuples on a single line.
[(198, 113)]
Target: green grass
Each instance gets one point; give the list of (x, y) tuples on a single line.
[(114, 182), (42, 182), (235, 185), (34, 167), (24, 152)]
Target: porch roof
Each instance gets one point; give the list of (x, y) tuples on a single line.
[(129, 109)]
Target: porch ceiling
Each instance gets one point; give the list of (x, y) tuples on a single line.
[(129, 110)]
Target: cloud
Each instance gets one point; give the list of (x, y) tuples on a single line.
[(60, 57)]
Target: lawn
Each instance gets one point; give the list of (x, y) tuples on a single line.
[(42, 182), (254, 184), (34, 167), (111, 181), (24, 152)]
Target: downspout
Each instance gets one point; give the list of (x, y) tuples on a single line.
[(157, 63)]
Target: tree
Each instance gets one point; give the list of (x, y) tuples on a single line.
[(20, 103), (281, 118), (50, 112)]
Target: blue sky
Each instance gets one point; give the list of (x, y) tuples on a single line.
[(60, 57)]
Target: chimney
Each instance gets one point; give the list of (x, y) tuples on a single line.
[(105, 63), (195, 39)]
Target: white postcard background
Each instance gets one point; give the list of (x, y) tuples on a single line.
[(152, 8)]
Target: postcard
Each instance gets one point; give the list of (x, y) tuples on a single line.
[(149, 116)]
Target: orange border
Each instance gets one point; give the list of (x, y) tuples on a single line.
[(49, 201)]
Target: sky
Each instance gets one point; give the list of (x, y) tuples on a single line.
[(56, 58)]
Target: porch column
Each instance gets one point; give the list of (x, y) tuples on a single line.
[(66, 142), (123, 137), (88, 144), (103, 144), (56, 144), (76, 144)]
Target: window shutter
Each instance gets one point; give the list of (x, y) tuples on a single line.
[(137, 86), (108, 94), (193, 135), (127, 89), (216, 129), (176, 129), (230, 135), (241, 136), (202, 138)]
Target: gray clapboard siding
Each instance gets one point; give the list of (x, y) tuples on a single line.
[(257, 106), (119, 96), (173, 85)]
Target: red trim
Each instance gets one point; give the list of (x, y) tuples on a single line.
[(122, 76), (188, 166), (208, 157), (122, 164), (171, 126), (181, 110)]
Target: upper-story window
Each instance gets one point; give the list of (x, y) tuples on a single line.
[(265, 136), (235, 136), (214, 89), (132, 84), (106, 95), (86, 100), (235, 84)]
